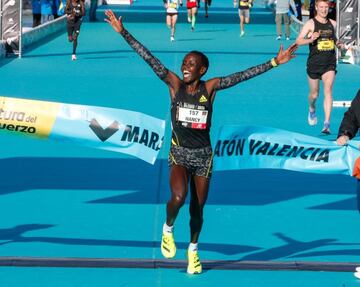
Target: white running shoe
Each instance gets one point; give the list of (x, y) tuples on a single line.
[(312, 119), (172, 39), (357, 275), (357, 269), (73, 57), (278, 38), (242, 33), (189, 19)]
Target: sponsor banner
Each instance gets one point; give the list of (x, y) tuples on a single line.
[(248, 147), (116, 130), (27, 116), (11, 24)]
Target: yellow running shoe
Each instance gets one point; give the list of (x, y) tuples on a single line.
[(194, 264), (168, 247)]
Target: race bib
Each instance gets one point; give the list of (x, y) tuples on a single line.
[(325, 45), (192, 117), (173, 5)]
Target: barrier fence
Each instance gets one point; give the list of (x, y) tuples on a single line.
[(11, 25)]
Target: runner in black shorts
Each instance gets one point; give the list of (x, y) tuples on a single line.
[(207, 4), (316, 72), (190, 157), (319, 34), (75, 10)]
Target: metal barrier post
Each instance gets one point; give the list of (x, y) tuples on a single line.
[(20, 29)]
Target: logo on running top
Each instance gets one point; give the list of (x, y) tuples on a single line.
[(203, 99)]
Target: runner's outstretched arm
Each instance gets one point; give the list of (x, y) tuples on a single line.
[(159, 69), (282, 57)]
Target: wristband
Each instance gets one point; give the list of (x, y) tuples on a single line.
[(274, 63)]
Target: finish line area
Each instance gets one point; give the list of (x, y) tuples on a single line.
[(76, 216), (175, 264)]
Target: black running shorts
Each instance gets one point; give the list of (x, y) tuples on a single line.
[(73, 25), (199, 161), (316, 72)]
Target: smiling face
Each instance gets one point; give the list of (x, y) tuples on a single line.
[(322, 8), (192, 68)]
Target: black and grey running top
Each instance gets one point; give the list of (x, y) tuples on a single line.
[(322, 51), (191, 118), (191, 114)]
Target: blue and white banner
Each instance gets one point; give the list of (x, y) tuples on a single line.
[(248, 147), (111, 129)]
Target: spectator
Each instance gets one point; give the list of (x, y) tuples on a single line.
[(282, 10), (92, 12), (36, 11), (46, 10), (55, 7), (311, 9), (61, 9), (298, 12), (332, 10), (350, 123)]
